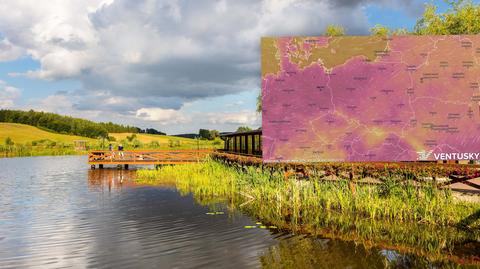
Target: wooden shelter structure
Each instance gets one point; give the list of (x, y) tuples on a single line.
[(244, 143)]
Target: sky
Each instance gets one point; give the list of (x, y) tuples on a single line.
[(173, 65)]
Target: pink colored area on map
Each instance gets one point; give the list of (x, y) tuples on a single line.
[(423, 97)]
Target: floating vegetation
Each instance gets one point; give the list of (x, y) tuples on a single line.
[(215, 213), (259, 225), (396, 215)]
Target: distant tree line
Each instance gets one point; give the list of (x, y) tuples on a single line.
[(212, 134), (64, 124), (242, 129), (150, 131)]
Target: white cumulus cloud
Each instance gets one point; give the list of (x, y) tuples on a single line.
[(235, 118), (182, 50), (162, 116), (148, 58), (8, 95)]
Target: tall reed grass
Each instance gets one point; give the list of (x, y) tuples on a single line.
[(402, 216), (298, 199)]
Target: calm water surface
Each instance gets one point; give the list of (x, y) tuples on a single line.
[(56, 213)]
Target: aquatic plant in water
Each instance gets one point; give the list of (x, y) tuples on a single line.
[(396, 214)]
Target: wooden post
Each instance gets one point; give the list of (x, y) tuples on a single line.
[(235, 143), (240, 147), (242, 144), (253, 144), (260, 144), (245, 142)]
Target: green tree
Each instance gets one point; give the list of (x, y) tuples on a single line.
[(136, 143), (130, 138), (244, 129), (463, 17), (173, 143), (63, 124), (214, 134), (334, 30), (380, 30), (9, 142), (204, 133), (154, 144)]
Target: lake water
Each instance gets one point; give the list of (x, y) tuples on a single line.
[(57, 213)]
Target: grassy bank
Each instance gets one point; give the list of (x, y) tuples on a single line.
[(397, 215), (392, 200), (26, 140), (23, 134)]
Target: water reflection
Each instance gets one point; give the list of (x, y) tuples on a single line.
[(101, 179), (419, 243), (58, 213), (312, 252), (308, 252)]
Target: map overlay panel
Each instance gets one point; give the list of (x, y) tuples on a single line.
[(370, 98)]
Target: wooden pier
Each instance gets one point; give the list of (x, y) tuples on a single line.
[(145, 157)]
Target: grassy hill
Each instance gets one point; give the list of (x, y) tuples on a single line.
[(32, 141), (21, 133)]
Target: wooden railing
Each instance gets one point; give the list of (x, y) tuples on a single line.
[(147, 156)]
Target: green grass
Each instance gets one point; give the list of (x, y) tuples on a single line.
[(392, 200), (396, 215), (151, 141), (32, 141), (21, 133), (147, 138)]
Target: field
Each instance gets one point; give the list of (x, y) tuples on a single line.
[(147, 138), (21, 133), (164, 141), (32, 141)]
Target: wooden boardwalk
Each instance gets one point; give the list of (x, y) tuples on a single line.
[(146, 157)]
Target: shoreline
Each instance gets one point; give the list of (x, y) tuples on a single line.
[(331, 209)]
